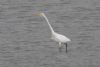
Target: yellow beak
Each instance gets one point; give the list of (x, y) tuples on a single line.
[(36, 14)]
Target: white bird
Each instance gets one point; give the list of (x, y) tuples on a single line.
[(61, 39)]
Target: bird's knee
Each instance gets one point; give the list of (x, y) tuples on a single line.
[(60, 45)]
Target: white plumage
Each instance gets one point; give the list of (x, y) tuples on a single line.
[(61, 39)]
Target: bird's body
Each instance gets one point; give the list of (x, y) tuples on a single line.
[(61, 39)]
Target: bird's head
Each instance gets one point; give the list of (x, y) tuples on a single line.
[(39, 14)]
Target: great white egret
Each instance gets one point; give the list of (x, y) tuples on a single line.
[(61, 39)]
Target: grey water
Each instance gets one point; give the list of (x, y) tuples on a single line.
[(25, 38)]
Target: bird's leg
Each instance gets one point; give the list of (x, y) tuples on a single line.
[(60, 47), (66, 47)]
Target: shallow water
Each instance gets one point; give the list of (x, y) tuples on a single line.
[(25, 39)]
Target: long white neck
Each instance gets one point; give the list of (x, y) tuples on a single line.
[(48, 22)]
